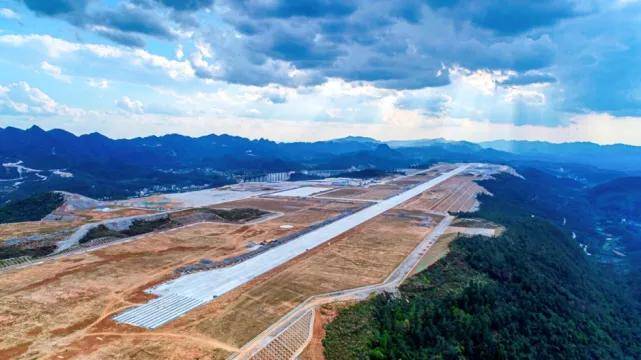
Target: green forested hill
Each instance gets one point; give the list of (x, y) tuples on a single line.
[(30, 209), (620, 197), (530, 293)]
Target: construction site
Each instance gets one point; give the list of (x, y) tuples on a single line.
[(239, 272)]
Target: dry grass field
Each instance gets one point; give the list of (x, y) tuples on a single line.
[(61, 305), (457, 194), (381, 191), (97, 215), (62, 308), (12, 230), (365, 255), (375, 192), (436, 252)]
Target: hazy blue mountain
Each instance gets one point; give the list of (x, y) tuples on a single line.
[(446, 144), (360, 139), (35, 160), (615, 157), (95, 165), (620, 197), (61, 149), (382, 157)]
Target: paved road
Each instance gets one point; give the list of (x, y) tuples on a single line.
[(205, 286), (389, 285)]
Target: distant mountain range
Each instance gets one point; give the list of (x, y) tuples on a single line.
[(619, 157), (36, 160), (620, 197), (614, 157), (59, 149)]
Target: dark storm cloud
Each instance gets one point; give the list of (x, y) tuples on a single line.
[(121, 37), (392, 44), (303, 53), (508, 16), (528, 78), (304, 8), (123, 24), (409, 11), (187, 5), (55, 7), (132, 20), (589, 50)]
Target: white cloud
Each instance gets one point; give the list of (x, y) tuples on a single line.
[(130, 105), (460, 110), (137, 60), (524, 94), (9, 14), (202, 61), (54, 71), (204, 49), (98, 83), (20, 98), (54, 47)]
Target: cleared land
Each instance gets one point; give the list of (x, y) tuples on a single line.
[(375, 192), (457, 194), (179, 296), (63, 308), (440, 248), (363, 256), (386, 189), (323, 316), (54, 307), (13, 230), (98, 215), (301, 191), (201, 198)]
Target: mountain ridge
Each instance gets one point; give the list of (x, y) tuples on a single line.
[(35, 160)]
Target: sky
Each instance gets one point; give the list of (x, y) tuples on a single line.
[(318, 69)]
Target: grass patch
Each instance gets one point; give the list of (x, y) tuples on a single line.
[(100, 231), (137, 227), (238, 215), (8, 252)]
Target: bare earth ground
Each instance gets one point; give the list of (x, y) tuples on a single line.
[(474, 223), (97, 215), (457, 194), (363, 256), (62, 308), (54, 307), (322, 316), (12, 230), (376, 192), (436, 252), (381, 191)]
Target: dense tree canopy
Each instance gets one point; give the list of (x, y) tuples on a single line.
[(530, 293), (31, 209)]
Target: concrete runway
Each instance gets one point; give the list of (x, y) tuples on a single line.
[(193, 290), (390, 284)]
